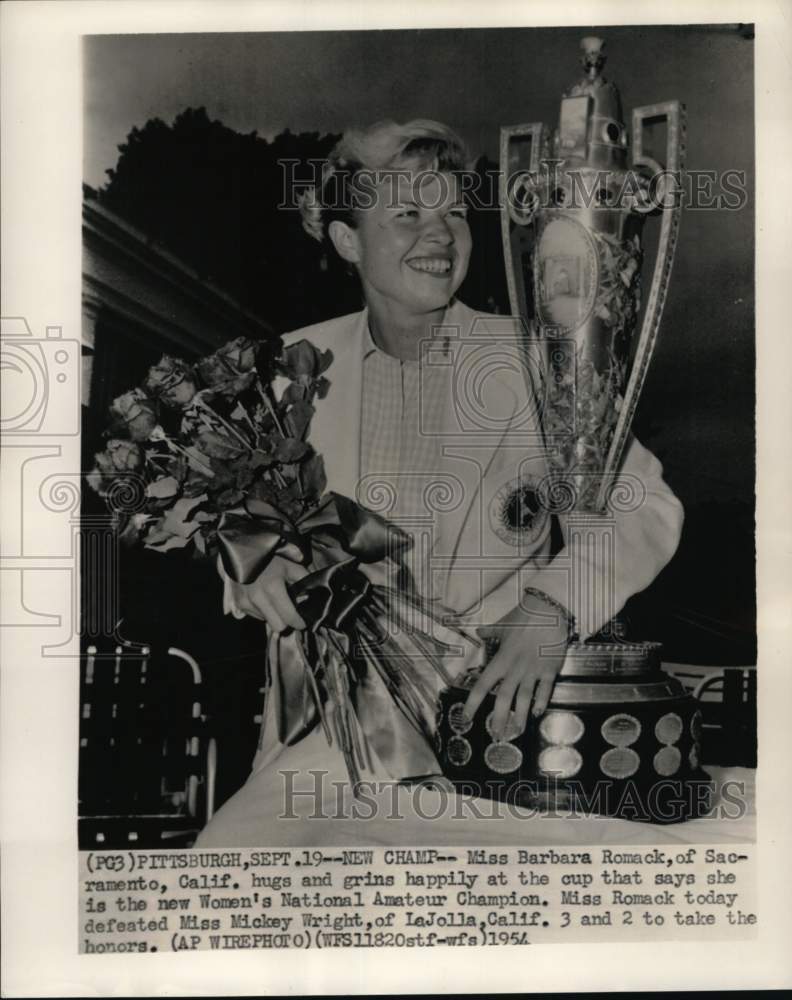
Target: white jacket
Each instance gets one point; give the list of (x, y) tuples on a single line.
[(492, 439)]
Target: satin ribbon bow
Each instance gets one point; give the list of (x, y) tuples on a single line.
[(333, 537)]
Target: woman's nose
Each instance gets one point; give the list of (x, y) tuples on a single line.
[(439, 231)]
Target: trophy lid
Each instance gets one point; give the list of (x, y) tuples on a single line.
[(591, 131)]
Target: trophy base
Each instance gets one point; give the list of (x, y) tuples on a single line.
[(619, 738)]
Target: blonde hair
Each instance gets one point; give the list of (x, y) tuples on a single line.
[(383, 146)]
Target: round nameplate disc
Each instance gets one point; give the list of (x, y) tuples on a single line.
[(457, 719), (560, 762), (621, 730), (619, 762), (695, 726), (561, 727), (512, 730), (503, 758), (458, 751), (667, 761), (669, 728)]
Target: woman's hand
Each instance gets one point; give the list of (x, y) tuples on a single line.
[(266, 598), (529, 657)]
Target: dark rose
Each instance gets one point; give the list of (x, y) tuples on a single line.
[(240, 354), (135, 412), (131, 528), (231, 368), (269, 351), (118, 456), (291, 450), (303, 358), (173, 381), (312, 476)]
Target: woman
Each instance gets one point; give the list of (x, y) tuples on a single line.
[(402, 430)]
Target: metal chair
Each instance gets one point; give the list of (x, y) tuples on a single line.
[(148, 762), (728, 701)]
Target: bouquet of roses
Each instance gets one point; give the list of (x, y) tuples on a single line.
[(223, 464), (207, 436)]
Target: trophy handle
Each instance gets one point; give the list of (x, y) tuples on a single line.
[(520, 156), (674, 114)]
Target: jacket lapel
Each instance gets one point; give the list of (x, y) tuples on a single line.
[(468, 452), (488, 459), (335, 426)]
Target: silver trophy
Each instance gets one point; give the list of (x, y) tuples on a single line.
[(620, 735), (572, 217)]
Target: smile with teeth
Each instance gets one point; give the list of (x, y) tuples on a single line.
[(430, 265)]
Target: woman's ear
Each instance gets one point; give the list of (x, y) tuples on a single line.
[(345, 240)]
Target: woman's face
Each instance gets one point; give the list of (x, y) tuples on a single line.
[(411, 244)]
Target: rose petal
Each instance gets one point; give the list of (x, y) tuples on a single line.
[(162, 488)]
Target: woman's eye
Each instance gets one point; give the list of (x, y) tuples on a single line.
[(458, 213), (408, 213)]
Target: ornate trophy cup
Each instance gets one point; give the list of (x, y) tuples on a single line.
[(620, 736)]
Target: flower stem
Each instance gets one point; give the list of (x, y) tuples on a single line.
[(278, 477), (268, 403), (229, 427), (188, 456), (248, 418)]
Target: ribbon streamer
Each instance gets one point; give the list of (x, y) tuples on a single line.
[(355, 669)]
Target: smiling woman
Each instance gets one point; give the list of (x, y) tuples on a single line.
[(390, 203)]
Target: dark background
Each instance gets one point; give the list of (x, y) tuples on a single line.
[(203, 119)]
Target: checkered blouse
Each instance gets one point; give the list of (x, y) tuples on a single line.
[(399, 456)]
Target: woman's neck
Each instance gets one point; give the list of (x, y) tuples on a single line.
[(401, 335)]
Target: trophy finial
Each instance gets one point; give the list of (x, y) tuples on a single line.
[(593, 57)]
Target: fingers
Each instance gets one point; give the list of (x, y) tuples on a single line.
[(293, 571), (247, 600), (230, 606), (272, 591), (267, 597), (503, 704), (257, 603), (542, 695), (525, 670), (284, 606), (493, 672), (221, 569), (517, 688), (523, 703)]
